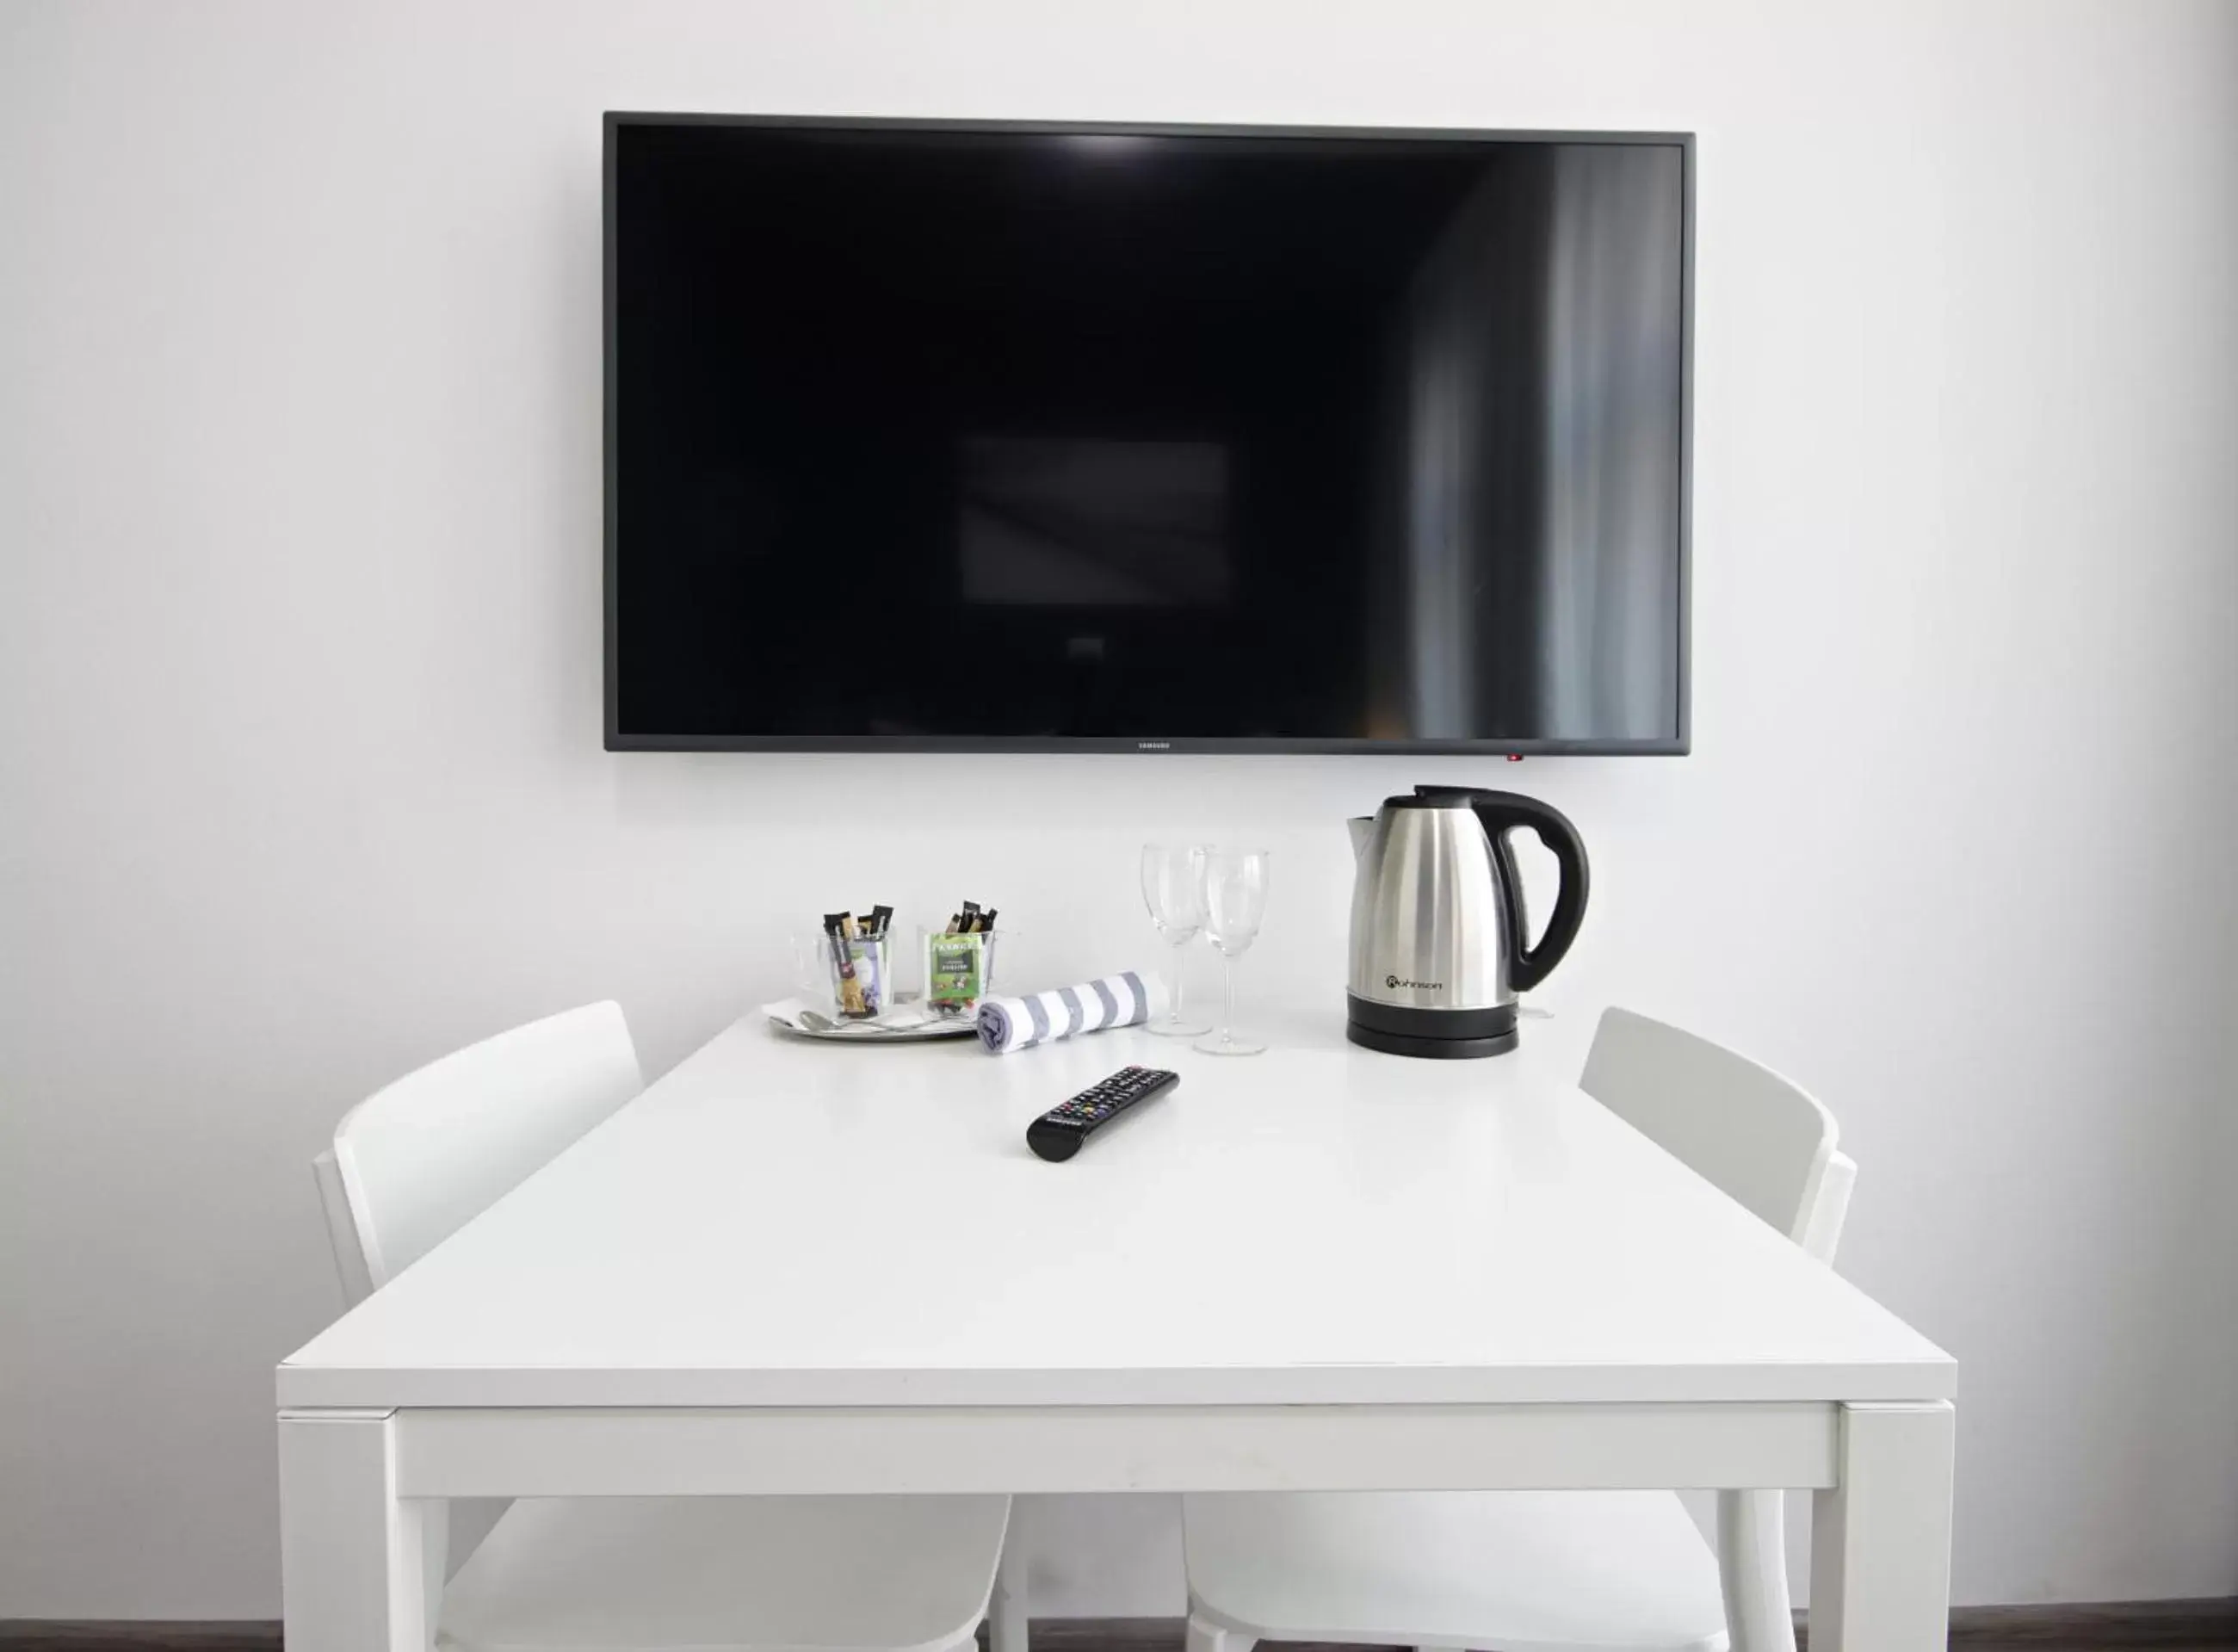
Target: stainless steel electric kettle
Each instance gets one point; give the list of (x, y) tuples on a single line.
[(1438, 928)]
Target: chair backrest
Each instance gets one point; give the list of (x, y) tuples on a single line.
[(416, 1161), (1763, 1139), (1770, 1146)]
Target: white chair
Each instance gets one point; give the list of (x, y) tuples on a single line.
[(1554, 1571), (874, 1573)]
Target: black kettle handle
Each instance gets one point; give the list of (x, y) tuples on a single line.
[(1499, 812)]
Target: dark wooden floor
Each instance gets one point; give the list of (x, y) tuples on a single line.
[(2165, 1626)]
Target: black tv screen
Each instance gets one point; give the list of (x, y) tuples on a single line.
[(973, 436)]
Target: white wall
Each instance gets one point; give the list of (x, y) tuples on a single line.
[(300, 777)]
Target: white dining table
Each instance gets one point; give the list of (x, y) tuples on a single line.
[(792, 1267)]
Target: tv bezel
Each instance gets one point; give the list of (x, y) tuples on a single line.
[(618, 739)]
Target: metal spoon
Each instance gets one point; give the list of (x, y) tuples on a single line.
[(817, 1022)]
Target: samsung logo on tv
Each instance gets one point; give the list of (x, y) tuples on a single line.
[(1154, 745)]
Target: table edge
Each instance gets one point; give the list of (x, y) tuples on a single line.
[(340, 1388)]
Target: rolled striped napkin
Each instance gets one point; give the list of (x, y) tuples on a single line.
[(1113, 1001)]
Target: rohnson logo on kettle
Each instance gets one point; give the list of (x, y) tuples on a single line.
[(1440, 943)]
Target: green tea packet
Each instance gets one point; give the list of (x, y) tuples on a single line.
[(956, 971)]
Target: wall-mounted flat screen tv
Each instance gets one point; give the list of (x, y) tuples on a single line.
[(1003, 436)]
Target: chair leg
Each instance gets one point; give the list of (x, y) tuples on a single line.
[(471, 1520), (1203, 1637), (1752, 1565)]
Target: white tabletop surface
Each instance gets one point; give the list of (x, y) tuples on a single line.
[(781, 1222)]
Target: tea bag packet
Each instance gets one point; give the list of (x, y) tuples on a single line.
[(860, 960), (955, 973), (959, 961)]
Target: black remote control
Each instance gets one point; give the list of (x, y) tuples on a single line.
[(1062, 1131)]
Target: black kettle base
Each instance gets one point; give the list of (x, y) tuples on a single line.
[(1404, 1043), (1442, 1035)]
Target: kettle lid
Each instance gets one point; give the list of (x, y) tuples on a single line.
[(1456, 798)]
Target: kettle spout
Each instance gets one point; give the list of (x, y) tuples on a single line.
[(1361, 826)]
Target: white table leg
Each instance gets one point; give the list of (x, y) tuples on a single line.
[(1006, 1618), (1880, 1541), (362, 1569)]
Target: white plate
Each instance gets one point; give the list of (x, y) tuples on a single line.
[(906, 1023)]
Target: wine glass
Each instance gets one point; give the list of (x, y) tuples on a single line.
[(1173, 888), (1234, 901)]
